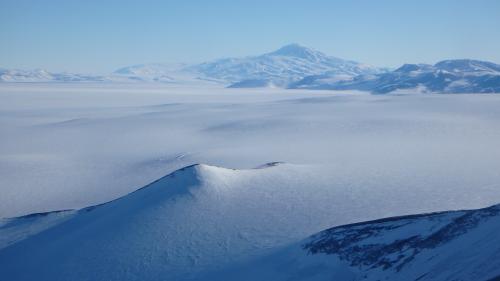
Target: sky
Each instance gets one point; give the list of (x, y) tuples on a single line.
[(99, 36)]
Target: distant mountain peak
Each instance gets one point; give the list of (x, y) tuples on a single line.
[(408, 67), (298, 51)]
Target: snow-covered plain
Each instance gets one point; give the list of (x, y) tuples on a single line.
[(66, 146)]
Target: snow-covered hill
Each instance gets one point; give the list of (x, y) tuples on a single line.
[(458, 245), (202, 221), (449, 76)]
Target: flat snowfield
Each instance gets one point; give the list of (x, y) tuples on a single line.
[(65, 146)]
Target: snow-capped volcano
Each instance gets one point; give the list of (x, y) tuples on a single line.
[(449, 76), (278, 68), (299, 51), (281, 67)]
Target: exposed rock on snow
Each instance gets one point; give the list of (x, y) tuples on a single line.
[(457, 245)]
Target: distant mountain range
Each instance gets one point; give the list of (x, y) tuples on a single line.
[(297, 67), (449, 76), (40, 75), (280, 68)]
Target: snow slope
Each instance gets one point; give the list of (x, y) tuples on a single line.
[(449, 76), (458, 245), (202, 221), (195, 220)]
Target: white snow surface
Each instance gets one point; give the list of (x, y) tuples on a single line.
[(198, 219), (347, 157), (462, 245), (67, 146), (204, 221)]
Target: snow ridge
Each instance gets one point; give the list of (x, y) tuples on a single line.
[(452, 245), (365, 245)]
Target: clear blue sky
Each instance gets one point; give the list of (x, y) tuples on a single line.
[(100, 36)]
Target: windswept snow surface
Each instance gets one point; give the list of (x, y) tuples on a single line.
[(71, 146), (198, 219), (347, 157)]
